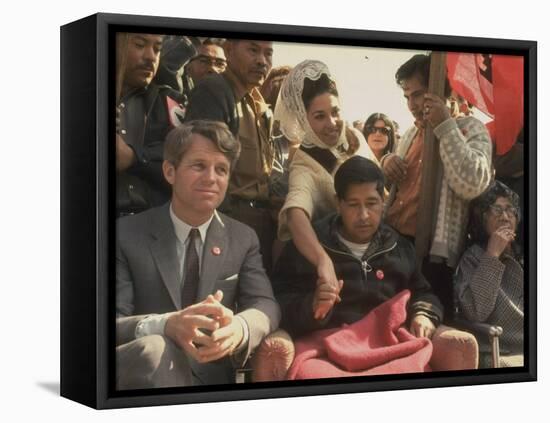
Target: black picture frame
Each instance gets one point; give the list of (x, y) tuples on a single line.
[(87, 230)]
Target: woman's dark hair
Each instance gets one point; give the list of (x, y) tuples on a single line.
[(418, 65), (357, 170), (371, 120), (480, 206), (314, 88)]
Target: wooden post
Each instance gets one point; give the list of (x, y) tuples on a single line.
[(431, 170)]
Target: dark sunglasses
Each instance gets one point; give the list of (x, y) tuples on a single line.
[(384, 130)]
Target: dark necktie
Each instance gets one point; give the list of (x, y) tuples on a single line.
[(190, 271)]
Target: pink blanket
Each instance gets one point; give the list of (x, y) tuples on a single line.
[(376, 344)]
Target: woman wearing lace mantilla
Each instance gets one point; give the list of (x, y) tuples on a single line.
[(309, 113)]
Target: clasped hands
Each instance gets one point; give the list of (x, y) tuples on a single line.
[(327, 292), (206, 331)]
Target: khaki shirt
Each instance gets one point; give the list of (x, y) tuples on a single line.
[(250, 178)]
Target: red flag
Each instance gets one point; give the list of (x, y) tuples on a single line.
[(493, 84), (176, 112), (508, 99), (465, 77)]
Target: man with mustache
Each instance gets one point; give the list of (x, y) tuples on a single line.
[(145, 114), (233, 97), (372, 261)]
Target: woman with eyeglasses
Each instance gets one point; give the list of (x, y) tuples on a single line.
[(489, 278), (380, 134)]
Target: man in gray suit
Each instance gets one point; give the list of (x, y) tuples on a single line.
[(193, 299)]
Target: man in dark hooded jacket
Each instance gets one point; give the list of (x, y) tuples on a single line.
[(372, 262)]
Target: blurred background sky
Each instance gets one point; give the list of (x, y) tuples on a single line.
[(365, 77)]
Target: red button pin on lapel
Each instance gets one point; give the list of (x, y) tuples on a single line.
[(379, 274), (216, 251)]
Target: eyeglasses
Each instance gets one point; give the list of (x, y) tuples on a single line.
[(510, 210), (210, 61), (383, 130)]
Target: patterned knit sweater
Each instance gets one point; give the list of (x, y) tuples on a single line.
[(465, 149), (490, 290)]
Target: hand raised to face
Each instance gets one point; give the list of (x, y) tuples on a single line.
[(500, 240)]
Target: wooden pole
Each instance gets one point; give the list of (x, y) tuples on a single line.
[(432, 167)]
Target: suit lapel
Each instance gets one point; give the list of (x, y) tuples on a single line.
[(163, 249), (213, 256)]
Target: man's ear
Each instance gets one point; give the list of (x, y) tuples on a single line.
[(169, 172)]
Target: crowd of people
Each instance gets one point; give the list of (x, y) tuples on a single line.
[(245, 203)]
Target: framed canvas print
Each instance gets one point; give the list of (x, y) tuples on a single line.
[(258, 211)]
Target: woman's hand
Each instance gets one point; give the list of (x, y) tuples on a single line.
[(324, 299), (328, 289), (500, 240)]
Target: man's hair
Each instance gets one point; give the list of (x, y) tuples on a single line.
[(314, 88), (269, 94), (480, 206), (357, 170), (213, 42), (179, 140), (418, 65), (278, 71)]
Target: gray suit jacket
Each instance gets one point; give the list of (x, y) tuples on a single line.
[(148, 280)]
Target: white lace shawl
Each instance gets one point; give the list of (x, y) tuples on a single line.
[(291, 113)]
